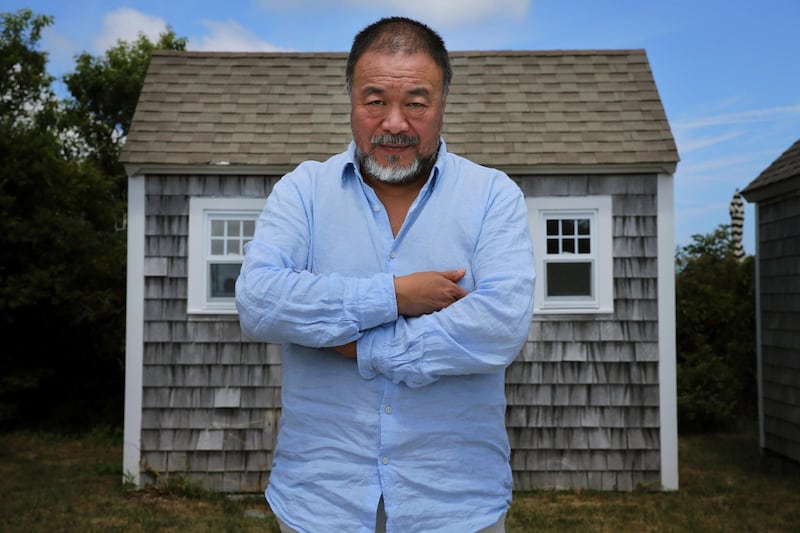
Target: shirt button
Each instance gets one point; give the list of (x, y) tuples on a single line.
[(376, 208), (388, 410), (393, 255), (385, 460)]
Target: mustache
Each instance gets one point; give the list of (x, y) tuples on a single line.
[(402, 140)]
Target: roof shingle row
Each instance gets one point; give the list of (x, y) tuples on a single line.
[(505, 109)]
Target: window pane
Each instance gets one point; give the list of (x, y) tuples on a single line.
[(217, 247), (567, 227), (552, 227), (234, 247), (234, 228), (584, 246), (583, 226), (248, 228), (222, 279), (217, 228), (569, 279), (552, 246), (568, 246)]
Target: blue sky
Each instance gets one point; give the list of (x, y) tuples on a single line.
[(728, 71)]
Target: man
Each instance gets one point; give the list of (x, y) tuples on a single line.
[(399, 279)]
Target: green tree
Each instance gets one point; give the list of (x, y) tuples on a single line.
[(56, 286), (105, 90), (715, 322), (26, 99), (62, 238)]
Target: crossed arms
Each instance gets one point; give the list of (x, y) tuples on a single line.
[(411, 328)]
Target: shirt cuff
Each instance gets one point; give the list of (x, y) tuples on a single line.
[(385, 351), (369, 347), (375, 301)]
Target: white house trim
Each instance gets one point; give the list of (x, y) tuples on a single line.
[(667, 365), (197, 299), (599, 208), (759, 354), (134, 330)]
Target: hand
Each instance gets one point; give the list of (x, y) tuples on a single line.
[(422, 293), (347, 350)]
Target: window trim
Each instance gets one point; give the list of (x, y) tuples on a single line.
[(599, 208), (200, 209)]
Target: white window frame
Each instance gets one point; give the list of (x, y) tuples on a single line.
[(598, 210), (201, 211)]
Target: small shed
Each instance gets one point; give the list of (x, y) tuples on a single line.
[(776, 195), (591, 397)]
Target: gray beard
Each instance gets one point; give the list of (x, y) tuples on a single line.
[(395, 174), (392, 174)]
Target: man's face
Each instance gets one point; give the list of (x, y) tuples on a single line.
[(397, 107)]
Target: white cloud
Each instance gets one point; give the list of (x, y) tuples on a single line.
[(739, 166), (452, 13), (686, 145), (231, 37), (126, 24), (755, 115), (441, 13)]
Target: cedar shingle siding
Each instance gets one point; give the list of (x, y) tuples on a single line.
[(777, 194), (583, 396)]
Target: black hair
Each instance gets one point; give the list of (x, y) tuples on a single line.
[(399, 34)]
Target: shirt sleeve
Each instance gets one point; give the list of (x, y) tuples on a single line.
[(280, 301), (480, 333)]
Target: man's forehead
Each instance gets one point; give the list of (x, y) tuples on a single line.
[(397, 64)]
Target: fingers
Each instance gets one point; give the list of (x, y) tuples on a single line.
[(455, 275), (425, 292)]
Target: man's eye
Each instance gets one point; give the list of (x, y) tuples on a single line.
[(375, 103)]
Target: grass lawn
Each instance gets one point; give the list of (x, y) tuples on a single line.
[(65, 484)]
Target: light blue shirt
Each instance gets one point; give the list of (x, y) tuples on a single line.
[(420, 417)]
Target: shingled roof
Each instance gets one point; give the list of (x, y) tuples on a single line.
[(781, 176), (515, 110)]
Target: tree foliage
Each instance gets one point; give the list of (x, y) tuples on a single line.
[(104, 92), (715, 322), (62, 238), (26, 99)]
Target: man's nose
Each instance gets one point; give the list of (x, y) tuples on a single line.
[(395, 120)]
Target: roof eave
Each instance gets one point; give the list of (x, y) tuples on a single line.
[(571, 169), (771, 190), (141, 169)]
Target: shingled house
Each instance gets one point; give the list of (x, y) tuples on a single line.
[(776, 193), (591, 397)]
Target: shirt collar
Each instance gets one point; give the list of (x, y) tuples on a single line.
[(438, 167)]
